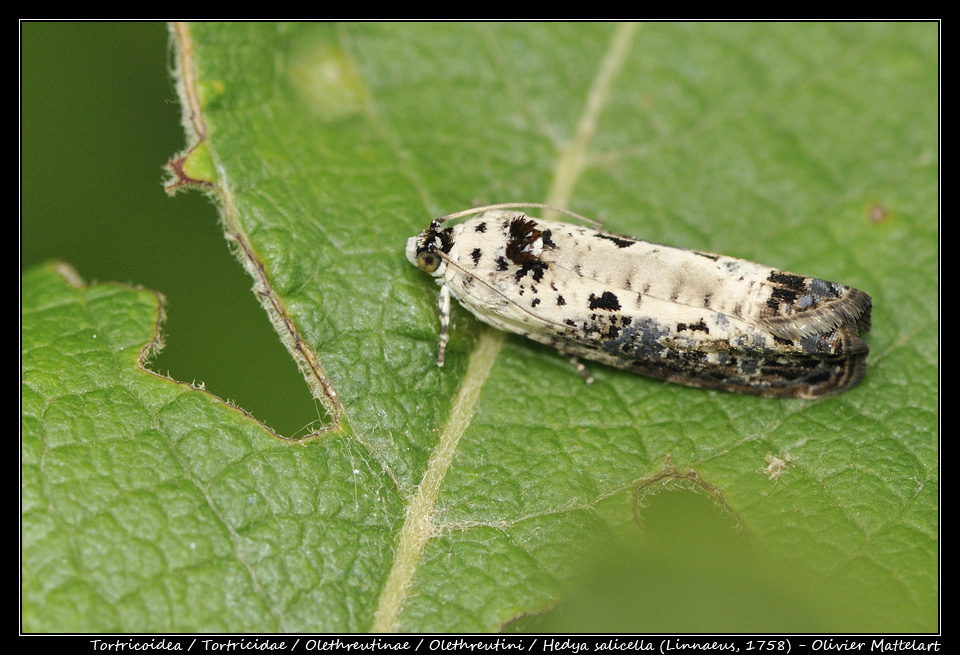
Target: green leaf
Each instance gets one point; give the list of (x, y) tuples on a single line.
[(149, 505), (466, 497)]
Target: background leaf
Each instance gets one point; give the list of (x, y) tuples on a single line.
[(99, 120), (459, 499)]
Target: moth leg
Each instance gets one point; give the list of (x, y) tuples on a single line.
[(444, 304), (581, 369)]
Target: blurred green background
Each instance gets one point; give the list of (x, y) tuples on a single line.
[(99, 120)]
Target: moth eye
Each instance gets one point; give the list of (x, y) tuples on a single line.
[(428, 261)]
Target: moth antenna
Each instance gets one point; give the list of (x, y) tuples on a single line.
[(515, 205)]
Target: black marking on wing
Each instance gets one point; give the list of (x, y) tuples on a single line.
[(620, 241), (607, 300), (789, 280), (523, 235), (536, 266), (693, 327)]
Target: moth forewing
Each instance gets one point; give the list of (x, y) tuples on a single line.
[(685, 316)]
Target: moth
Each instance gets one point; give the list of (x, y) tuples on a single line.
[(684, 316)]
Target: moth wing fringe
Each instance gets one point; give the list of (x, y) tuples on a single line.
[(853, 308)]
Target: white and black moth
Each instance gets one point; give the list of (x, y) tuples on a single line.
[(680, 315)]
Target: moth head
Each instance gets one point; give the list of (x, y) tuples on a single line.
[(429, 261), (426, 250)]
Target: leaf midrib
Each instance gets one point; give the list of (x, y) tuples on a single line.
[(418, 526)]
